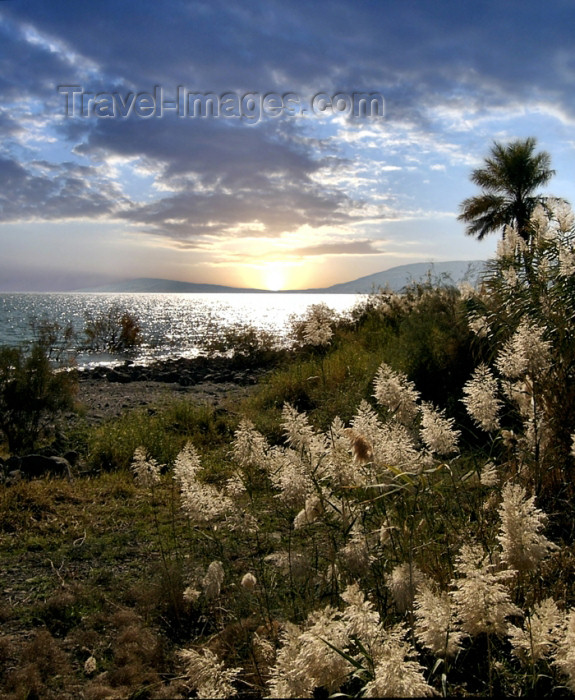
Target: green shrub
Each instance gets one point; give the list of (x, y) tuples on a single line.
[(31, 392)]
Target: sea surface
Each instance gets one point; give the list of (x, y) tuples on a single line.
[(173, 325)]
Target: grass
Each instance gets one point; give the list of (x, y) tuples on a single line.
[(75, 559), (102, 567)]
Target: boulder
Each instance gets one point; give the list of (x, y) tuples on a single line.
[(33, 466), (121, 377)]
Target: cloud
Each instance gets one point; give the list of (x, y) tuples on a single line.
[(45, 191), (343, 248), (417, 53), (218, 176), (453, 75)]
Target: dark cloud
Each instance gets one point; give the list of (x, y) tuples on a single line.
[(219, 178), (412, 50), (26, 67), (278, 207), (343, 248), (234, 155), (47, 191), (223, 175)]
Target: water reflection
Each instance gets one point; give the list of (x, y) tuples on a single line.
[(173, 325)]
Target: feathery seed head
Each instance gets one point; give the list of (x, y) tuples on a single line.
[(480, 398), (207, 675), (396, 393), (146, 470), (481, 600), (520, 535), (437, 431)]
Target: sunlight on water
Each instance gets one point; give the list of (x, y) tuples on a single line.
[(173, 325)]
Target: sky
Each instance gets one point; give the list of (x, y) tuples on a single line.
[(228, 143)]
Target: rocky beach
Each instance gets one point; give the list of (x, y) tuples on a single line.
[(105, 392)]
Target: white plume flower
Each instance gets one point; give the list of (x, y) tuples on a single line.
[(249, 445), (187, 463), (235, 486), (510, 243), (406, 579), (146, 470), (355, 556), (525, 352), (395, 672), (366, 422), (510, 277), (361, 619), (249, 582), (202, 502), (317, 325), (288, 474), (305, 661), (437, 431), (479, 325), (566, 261), (564, 216), (489, 475), (520, 535), (191, 594), (539, 635), (435, 625), (207, 675), (301, 436), (481, 399), (213, 580), (347, 452), (90, 665), (565, 654), (481, 600), (396, 393), (312, 510), (395, 447)]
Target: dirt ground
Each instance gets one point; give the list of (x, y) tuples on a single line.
[(101, 399)]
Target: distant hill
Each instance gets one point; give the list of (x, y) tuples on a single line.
[(395, 279), (161, 286)]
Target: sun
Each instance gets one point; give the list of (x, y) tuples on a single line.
[(274, 276)]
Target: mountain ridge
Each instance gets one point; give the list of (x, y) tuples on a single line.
[(394, 278)]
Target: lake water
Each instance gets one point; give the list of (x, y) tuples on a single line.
[(173, 325)]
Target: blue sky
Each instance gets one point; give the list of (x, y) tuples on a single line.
[(289, 200)]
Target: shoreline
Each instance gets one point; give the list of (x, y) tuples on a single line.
[(182, 370), (109, 392)]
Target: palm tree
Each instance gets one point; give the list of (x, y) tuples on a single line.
[(511, 175)]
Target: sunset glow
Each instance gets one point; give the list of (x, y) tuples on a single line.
[(274, 276), (231, 149)]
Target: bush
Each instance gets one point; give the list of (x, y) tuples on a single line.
[(114, 330), (31, 392), (524, 317)]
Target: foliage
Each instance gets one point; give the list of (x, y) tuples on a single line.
[(525, 313), (32, 389), (422, 332), (350, 528), (511, 175), (162, 432), (479, 590), (248, 346), (115, 330)]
